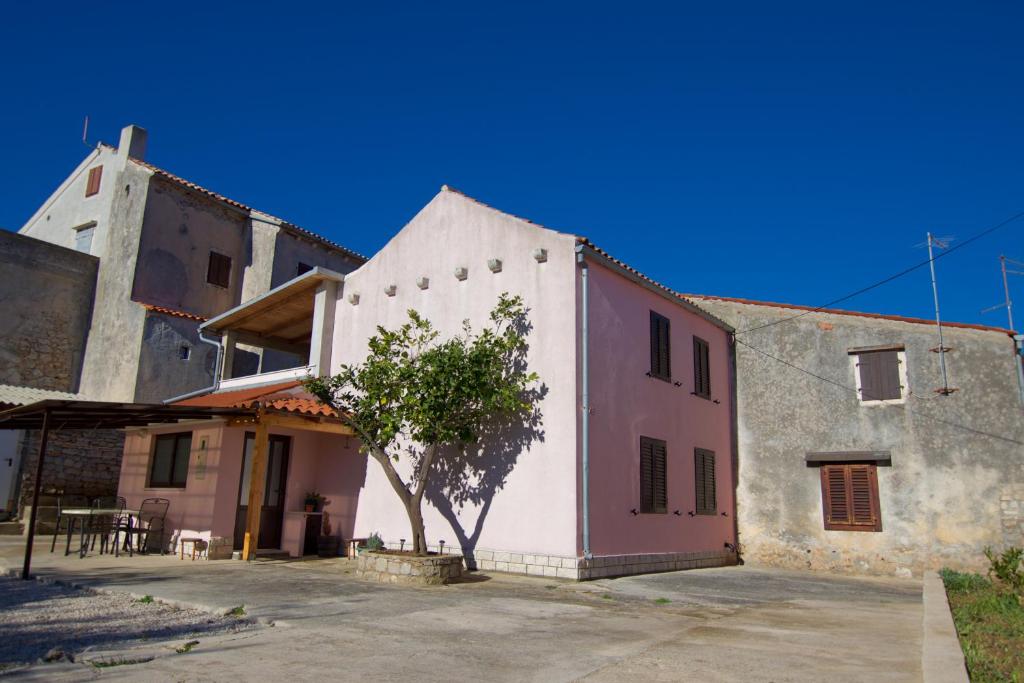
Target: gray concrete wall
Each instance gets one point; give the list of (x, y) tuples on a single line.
[(957, 461), (163, 373), (46, 294)]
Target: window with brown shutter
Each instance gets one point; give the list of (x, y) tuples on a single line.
[(661, 354), (878, 370), (701, 369), (653, 476), (219, 271), (704, 480), (92, 185), (849, 497)]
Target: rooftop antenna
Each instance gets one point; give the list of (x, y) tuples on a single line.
[(85, 132), (1008, 305), (941, 244)]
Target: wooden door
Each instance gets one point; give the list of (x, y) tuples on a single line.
[(272, 514)]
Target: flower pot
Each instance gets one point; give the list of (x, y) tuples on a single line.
[(309, 507)]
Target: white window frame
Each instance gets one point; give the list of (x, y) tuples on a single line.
[(904, 383)]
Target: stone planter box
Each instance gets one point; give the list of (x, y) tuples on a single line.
[(389, 567)]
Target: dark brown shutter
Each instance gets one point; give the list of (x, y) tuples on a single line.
[(879, 375), (849, 497), (661, 355), (704, 481), (660, 488), (219, 270), (92, 185), (701, 368), (646, 475)]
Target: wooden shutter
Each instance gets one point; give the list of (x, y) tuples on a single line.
[(661, 355), (219, 271), (92, 185), (849, 497), (701, 368), (653, 476), (704, 481), (879, 375)]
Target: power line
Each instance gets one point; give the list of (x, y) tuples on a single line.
[(904, 406), (889, 279)]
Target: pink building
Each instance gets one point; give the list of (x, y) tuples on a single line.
[(632, 468)]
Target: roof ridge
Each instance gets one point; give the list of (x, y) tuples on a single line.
[(244, 207), (840, 311)]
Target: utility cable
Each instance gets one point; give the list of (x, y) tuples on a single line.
[(889, 279)]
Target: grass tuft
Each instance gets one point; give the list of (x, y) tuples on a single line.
[(662, 601), (237, 611), (187, 647), (990, 623), (145, 600)]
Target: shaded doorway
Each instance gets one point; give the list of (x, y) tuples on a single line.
[(272, 514)]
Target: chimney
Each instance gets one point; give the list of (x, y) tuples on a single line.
[(133, 142)]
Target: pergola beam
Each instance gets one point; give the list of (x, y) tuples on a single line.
[(257, 485)]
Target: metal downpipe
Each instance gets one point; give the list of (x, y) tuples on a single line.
[(585, 382)]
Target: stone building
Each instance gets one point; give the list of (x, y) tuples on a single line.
[(851, 455), (166, 254)]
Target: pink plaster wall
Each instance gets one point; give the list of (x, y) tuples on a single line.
[(627, 404), (207, 505)]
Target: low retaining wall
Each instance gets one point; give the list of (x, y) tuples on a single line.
[(597, 567), (391, 567)]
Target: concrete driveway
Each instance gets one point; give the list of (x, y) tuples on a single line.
[(707, 625)]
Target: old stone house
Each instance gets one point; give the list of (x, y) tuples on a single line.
[(853, 457), (171, 254)]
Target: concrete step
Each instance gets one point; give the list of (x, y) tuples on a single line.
[(11, 528)]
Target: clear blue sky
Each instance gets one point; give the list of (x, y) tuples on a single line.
[(788, 152)]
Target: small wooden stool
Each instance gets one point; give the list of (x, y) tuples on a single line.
[(198, 545), (353, 543)]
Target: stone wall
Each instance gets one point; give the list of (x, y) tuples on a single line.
[(46, 297), (400, 568), (86, 462), (1011, 504)]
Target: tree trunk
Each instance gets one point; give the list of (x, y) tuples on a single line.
[(412, 500), (419, 536)]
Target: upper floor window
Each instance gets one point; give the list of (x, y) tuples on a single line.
[(170, 460), (701, 369), (880, 372), (219, 271), (83, 237), (92, 185), (661, 355), (302, 268), (653, 475)]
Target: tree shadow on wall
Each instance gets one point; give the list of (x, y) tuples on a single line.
[(474, 473)]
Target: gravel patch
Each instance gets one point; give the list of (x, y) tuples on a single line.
[(36, 618)]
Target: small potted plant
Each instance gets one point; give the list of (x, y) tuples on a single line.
[(373, 542), (314, 502), (327, 543)]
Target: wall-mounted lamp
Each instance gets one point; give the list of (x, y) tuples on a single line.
[(634, 512), (540, 255), (461, 273), (423, 282), (725, 514), (677, 513), (716, 402), (494, 265), (441, 545), (390, 290), (690, 513), (353, 299)]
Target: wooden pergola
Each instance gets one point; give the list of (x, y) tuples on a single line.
[(53, 414)]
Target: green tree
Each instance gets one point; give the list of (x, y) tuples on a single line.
[(416, 395)]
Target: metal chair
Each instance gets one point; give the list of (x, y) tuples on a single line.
[(152, 514), (102, 522), (66, 502)]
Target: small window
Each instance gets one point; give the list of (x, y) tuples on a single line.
[(184, 352), (83, 239), (219, 271), (879, 375), (169, 468), (653, 482), (849, 497), (704, 479), (661, 355), (92, 185), (701, 369), (302, 268)]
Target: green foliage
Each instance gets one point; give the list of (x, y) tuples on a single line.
[(237, 611), (1007, 568), (187, 647), (374, 542), (662, 601), (145, 600), (990, 623), (416, 394)]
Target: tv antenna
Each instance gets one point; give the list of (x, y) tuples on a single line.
[(940, 243), (85, 132), (1008, 305)]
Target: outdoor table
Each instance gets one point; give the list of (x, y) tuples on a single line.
[(76, 514)]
